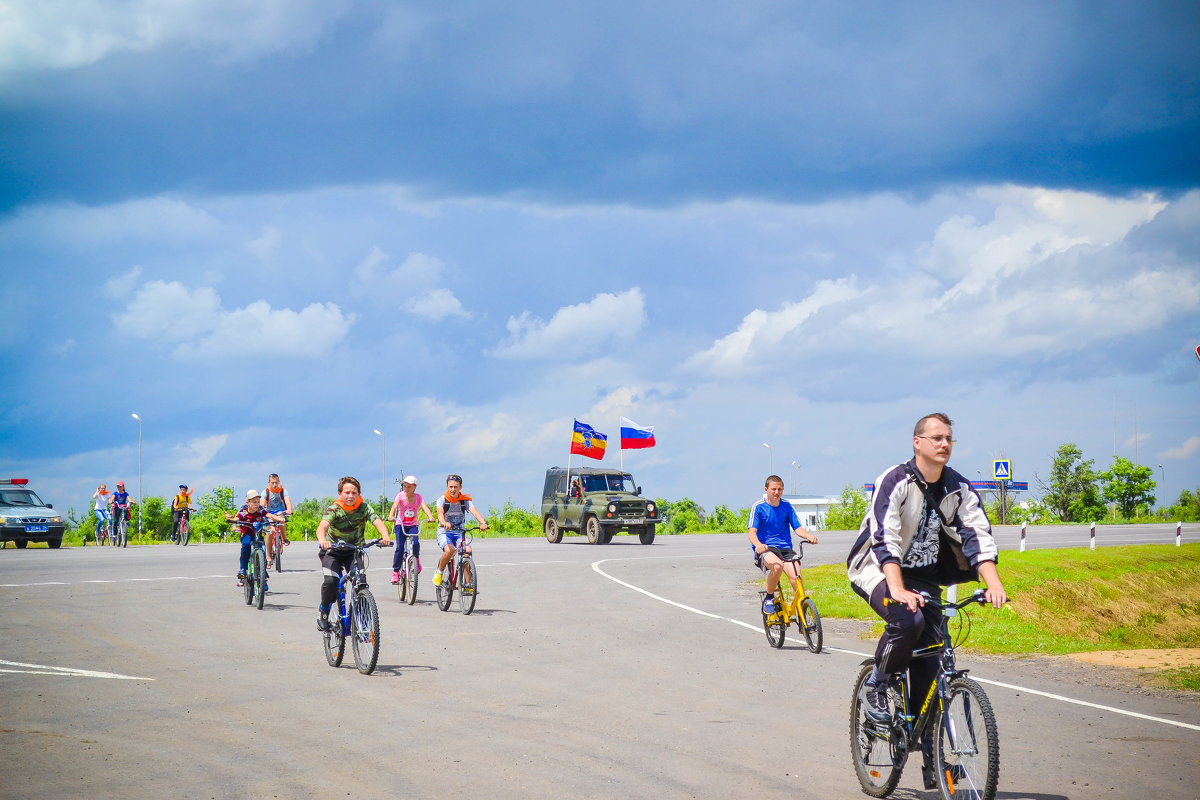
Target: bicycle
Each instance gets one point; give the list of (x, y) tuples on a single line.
[(409, 567), (254, 584), (184, 534), (965, 752), (806, 617), (275, 531), (357, 614), (120, 534), (102, 534), (460, 563)]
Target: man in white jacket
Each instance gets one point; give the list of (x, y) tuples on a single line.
[(925, 528)]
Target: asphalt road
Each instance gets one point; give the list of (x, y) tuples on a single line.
[(618, 671)]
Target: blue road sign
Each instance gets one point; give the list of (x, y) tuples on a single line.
[(1002, 469)]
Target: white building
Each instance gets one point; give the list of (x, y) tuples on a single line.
[(811, 509)]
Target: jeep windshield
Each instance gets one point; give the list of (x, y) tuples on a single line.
[(608, 483), (19, 497)]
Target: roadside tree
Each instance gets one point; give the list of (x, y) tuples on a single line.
[(1130, 486), (1072, 492), (848, 512)]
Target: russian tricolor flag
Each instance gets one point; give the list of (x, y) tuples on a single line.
[(634, 436)]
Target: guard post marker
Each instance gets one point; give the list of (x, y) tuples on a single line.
[(1178, 533), (1093, 536), (1023, 525)]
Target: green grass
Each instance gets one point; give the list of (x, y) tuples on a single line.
[(1069, 601)]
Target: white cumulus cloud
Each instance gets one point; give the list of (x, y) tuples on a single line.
[(581, 329), (1186, 450)]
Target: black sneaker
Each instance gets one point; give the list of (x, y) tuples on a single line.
[(323, 623), (929, 774), (875, 704)]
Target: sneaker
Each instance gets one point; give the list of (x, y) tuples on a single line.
[(241, 579), (929, 774), (395, 576), (323, 623), (875, 704), (769, 605), (437, 578)]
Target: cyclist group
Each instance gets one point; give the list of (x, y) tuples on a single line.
[(110, 506), (925, 528)]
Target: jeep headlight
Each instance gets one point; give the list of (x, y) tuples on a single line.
[(612, 508), (649, 508)]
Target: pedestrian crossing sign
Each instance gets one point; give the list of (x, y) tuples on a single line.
[(1002, 469)]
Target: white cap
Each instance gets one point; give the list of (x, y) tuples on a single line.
[(410, 479), (253, 493)]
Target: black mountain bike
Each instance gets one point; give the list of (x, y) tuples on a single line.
[(956, 715), (357, 616)]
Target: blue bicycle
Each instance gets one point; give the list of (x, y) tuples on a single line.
[(357, 616), (255, 582)]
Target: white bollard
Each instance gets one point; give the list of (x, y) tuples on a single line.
[(1023, 525), (1178, 533), (1093, 536)]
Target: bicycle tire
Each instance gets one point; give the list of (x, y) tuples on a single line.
[(467, 590), (967, 744), (185, 532), (122, 533), (364, 632), (809, 623), (877, 761), (278, 554), (410, 578), (774, 625), (260, 578), (248, 585), (335, 639), (445, 590)]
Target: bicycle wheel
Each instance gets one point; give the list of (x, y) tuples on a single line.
[(967, 744), (364, 632), (185, 531), (335, 640), (278, 554), (410, 580), (774, 625), (445, 590), (809, 623), (467, 588), (122, 533), (248, 583), (877, 751), (260, 578)]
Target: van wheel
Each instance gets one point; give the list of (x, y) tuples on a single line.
[(554, 533), (593, 531)]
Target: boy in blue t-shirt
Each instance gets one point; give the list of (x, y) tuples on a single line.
[(772, 521)]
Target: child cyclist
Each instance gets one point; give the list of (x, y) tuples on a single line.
[(344, 521), (276, 501), (452, 510), (245, 520), (772, 521), (405, 516)]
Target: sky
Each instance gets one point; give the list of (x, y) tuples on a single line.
[(270, 229)]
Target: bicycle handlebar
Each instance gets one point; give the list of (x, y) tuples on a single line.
[(341, 545), (979, 596)]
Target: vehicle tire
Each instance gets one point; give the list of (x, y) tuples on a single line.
[(592, 529), (467, 590), (248, 585), (646, 534), (554, 533), (185, 532), (411, 580), (878, 760), (809, 623), (335, 640), (445, 592), (260, 578), (20, 544), (774, 626), (609, 533), (56, 543), (966, 744), (364, 632)]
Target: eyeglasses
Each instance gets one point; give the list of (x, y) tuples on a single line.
[(939, 439), (454, 478)]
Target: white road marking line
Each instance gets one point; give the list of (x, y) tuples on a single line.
[(1013, 687), (69, 672)]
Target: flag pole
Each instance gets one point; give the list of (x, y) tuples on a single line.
[(621, 448)]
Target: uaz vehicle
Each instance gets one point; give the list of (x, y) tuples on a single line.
[(24, 518), (607, 501)]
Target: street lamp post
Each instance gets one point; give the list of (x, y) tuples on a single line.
[(383, 500), (139, 422), (772, 452), (1164, 480)]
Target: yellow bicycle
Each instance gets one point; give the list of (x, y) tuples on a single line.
[(787, 611)]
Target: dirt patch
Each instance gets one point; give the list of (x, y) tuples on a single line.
[(1142, 659)]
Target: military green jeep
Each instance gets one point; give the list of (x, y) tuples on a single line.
[(598, 501)]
